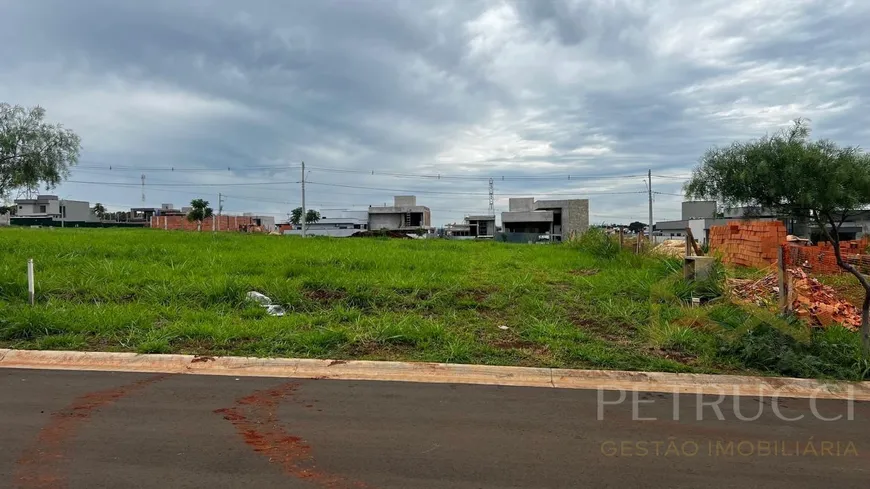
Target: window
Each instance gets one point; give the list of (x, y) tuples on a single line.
[(42, 209), (63, 211)]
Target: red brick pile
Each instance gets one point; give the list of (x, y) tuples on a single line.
[(812, 301), (222, 223), (819, 304), (821, 258), (748, 243)]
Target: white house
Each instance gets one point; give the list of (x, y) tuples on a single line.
[(49, 206)]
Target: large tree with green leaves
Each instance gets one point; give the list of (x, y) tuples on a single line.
[(310, 216), (797, 177), (33, 152), (199, 211)]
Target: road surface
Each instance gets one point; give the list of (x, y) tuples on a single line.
[(94, 429)]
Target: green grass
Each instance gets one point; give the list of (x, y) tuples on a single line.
[(579, 305)]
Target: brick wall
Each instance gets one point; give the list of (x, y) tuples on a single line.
[(821, 258), (222, 223), (748, 243)]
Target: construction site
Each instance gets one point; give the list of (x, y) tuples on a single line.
[(781, 272)]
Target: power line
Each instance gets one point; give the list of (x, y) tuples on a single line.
[(172, 169), (128, 184), (441, 192), (430, 176)]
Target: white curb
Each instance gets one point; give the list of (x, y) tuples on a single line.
[(435, 373)]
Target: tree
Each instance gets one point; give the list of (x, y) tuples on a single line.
[(310, 216), (99, 210), (796, 177), (199, 212), (7, 209), (636, 227), (296, 215), (33, 152)]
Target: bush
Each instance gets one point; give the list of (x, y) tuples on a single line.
[(598, 243)]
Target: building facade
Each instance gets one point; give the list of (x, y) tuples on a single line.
[(338, 223), (557, 219), (481, 226), (403, 215), (51, 208)]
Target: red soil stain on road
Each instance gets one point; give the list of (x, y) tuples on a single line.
[(255, 420), (43, 465)]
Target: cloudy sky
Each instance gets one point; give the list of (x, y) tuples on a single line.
[(376, 94)]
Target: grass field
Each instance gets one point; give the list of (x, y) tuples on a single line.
[(583, 305)]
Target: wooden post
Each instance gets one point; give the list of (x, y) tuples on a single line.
[(620, 237), (782, 282), (691, 244)]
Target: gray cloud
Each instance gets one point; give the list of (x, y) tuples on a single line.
[(474, 88)]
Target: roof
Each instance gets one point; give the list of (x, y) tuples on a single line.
[(671, 225), (397, 210)]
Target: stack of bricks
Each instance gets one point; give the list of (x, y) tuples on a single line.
[(222, 223), (748, 243), (821, 258)]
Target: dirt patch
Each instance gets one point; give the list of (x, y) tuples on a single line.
[(476, 296), (337, 362), (603, 331), (675, 355), (516, 344), (584, 272), (372, 350), (325, 296)]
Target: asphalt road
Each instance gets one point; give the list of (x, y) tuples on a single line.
[(89, 430)]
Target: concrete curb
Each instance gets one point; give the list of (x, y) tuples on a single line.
[(435, 373)]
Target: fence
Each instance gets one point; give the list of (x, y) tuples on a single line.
[(214, 223)]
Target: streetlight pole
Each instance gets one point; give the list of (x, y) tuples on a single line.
[(649, 179), (303, 202)]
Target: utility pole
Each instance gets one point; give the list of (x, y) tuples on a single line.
[(649, 187), (303, 201), (491, 199), (220, 210)]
